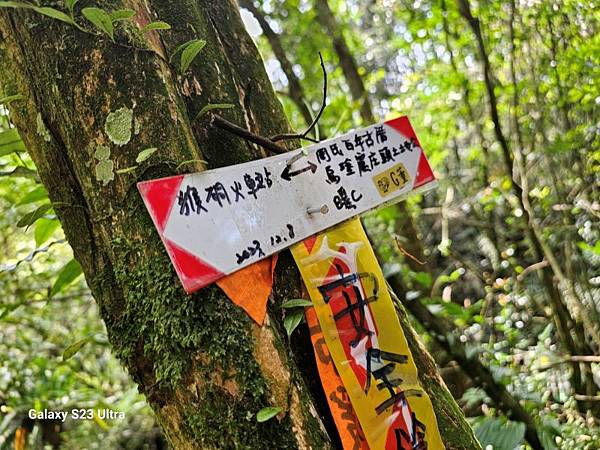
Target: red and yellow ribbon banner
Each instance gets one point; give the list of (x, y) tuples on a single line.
[(366, 343)]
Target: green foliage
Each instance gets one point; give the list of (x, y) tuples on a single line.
[(67, 275), (35, 195), (10, 142), (70, 4), (268, 413), (45, 10), (189, 50), (44, 229), (101, 20), (500, 434), (121, 14), (126, 170), (297, 302), (10, 98), (158, 25), (292, 320), (423, 61), (29, 219), (478, 278), (145, 154), (213, 106), (74, 348)]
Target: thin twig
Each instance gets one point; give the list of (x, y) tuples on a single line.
[(587, 359), (587, 398), (270, 143), (407, 253), (223, 124), (532, 268), (288, 136)]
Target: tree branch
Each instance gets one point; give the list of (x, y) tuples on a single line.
[(232, 128)]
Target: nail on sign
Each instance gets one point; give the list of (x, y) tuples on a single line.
[(215, 222)]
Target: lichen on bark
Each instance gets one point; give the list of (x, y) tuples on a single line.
[(118, 125)]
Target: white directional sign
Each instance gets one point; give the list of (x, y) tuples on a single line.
[(218, 221)]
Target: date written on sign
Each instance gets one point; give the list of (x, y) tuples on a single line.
[(218, 221)]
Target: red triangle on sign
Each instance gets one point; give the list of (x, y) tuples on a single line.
[(424, 172), (159, 197), (192, 271), (310, 242), (403, 125)]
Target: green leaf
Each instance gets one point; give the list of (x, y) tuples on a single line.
[(101, 19), (145, 154), (587, 247), (178, 49), (190, 52), (423, 278), (122, 14), (35, 195), (10, 98), (189, 161), (549, 430), (292, 321), (22, 172), (28, 219), (15, 5), (72, 349), (99, 421), (7, 309), (268, 413), (454, 276), (212, 106), (158, 25), (69, 273), (474, 395), (11, 142), (296, 302), (500, 434), (45, 10), (44, 228), (71, 4), (126, 169), (55, 14)]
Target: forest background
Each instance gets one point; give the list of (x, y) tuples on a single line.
[(499, 266)]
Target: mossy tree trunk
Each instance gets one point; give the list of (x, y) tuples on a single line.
[(204, 366)]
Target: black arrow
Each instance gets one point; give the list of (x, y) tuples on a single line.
[(287, 175)]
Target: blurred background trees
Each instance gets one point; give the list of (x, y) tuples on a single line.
[(499, 266)]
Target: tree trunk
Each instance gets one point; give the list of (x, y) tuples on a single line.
[(203, 365)]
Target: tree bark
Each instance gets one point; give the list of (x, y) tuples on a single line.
[(203, 365)]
